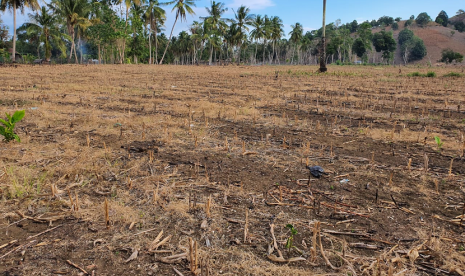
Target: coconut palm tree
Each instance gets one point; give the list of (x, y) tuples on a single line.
[(181, 7), (258, 32), (216, 25), (296, 36), (128, 4), (323, 42), (154, 16), (198, 37), (243, 18), (44, 25), (267, 30), (234, 37), (277, 31), (14, 5), (74, 12)]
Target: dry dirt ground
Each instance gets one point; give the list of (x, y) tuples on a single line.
[(149, 170)]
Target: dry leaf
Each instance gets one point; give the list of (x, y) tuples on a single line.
[(133, 256), (204, 224), (41, 244), (413, 255), (282, 260)]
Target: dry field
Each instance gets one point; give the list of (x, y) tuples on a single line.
[(165, 170)]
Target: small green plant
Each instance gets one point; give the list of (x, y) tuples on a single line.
[(453, 75), (414, 74), (9, 124), (439, 143), (290, 240), (431, 74)]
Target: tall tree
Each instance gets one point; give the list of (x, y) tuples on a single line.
[(362, 45), (137, 44), (442, 18), (128, 4), (258, 32), (181, 7), (384, 42), (216, 24), (243, 18), (154, 16), (233, 37), (14, 5), (198, 37), (323, 42), (74, 12), (277, 32), (423, 19), (3, 35), (44, 25), (296, 34), (267, 31)]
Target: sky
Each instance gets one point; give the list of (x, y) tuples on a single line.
[(306, 12)]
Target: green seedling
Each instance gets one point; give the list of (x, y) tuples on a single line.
[(9, 125), (290, 240), (439, 143)]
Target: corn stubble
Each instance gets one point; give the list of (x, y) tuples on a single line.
[(216, 153)]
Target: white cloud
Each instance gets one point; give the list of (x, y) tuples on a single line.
[(252, 4), (308, 29)]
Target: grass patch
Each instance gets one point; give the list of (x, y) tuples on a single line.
[(453, 75), (430, 74)]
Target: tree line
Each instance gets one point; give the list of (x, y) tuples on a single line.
[(134, 31)]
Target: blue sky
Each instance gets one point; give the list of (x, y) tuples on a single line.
[(307, 12)]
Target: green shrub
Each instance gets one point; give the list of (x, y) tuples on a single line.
[(431, 74), (448, 56), (453, 75), (414, 74)]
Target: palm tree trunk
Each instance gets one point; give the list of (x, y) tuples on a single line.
[(255, 57), (80, 46), (13, 55), (240, 52), (264, 50), (150, 44), (211, 54), (75, 55), (193, 55), (293, 54), (272, 57), (71, 32), (156, 44), (125, 33), (99, 55), (169, 40)]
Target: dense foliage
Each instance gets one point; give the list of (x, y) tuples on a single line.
[(82, 30), (423, 19), (450, 56), (442, 18)]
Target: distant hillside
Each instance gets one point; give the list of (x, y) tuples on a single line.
[(457, 18), (436, 39)]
